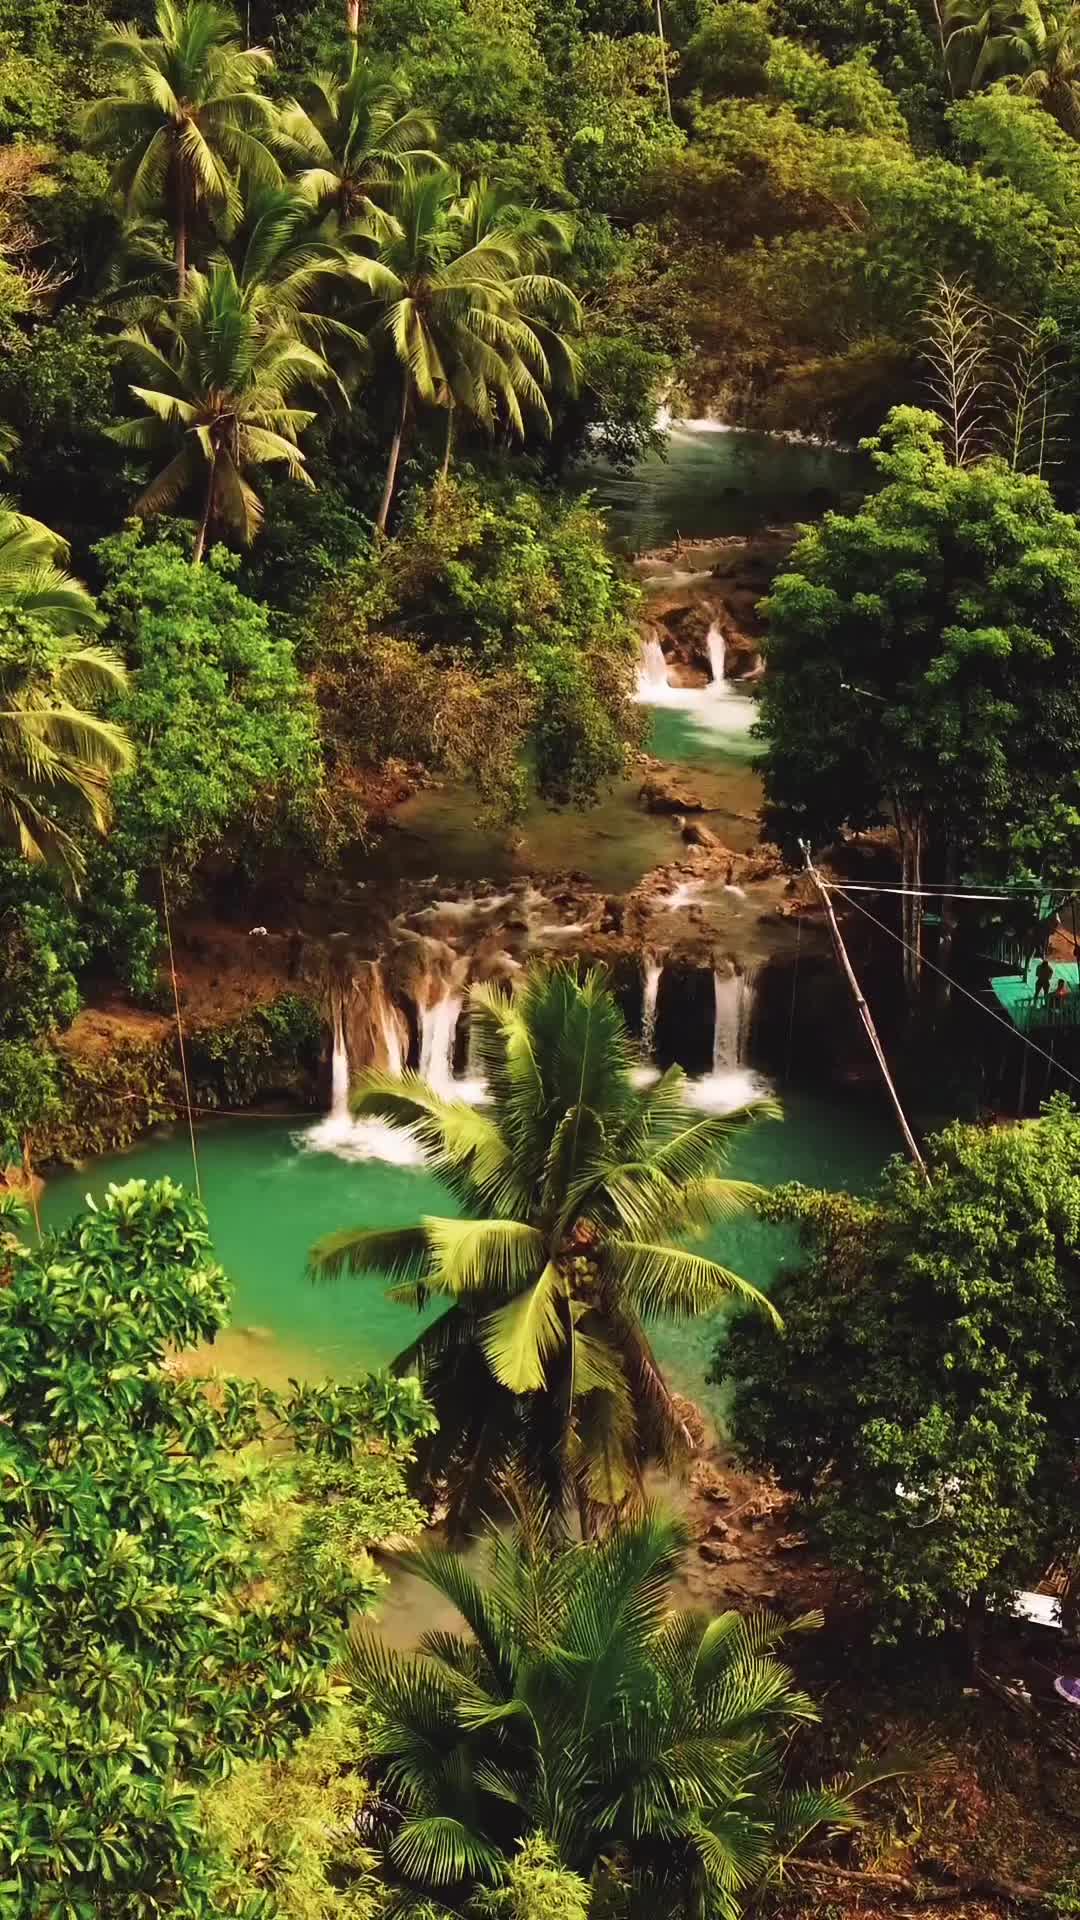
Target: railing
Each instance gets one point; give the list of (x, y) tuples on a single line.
[(1042, 1011)]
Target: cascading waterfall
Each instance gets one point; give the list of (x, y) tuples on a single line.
[(717, 649), (652, 680), (727, 997), (337, 1132), (653, 970), (438, 1028), (392, 1042), (717, 709), (731, 1083), (339, 1071)]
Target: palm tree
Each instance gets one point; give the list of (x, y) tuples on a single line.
[(219, 395), (573, 1188), (453, 300), (57, 757), (1048, 61), (284, 244), (638, 1738), (1033, 46), (355, 135), (188, 116), (979, 39)]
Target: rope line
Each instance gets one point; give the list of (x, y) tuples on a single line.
[(933, 892), (794, 992), (180, 1034), (1000, 1018)]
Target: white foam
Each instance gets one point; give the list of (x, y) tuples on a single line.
[(716, 709), (350, 1139), (724, 1092)]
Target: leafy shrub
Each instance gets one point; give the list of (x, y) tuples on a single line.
[(229, 757)]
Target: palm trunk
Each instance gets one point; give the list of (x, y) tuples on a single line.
[(204, 525), (395, 455), (448, 448), (181, 251), (352, 17)]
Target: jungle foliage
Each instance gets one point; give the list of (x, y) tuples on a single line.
[(155, 1625), (921, 1400)]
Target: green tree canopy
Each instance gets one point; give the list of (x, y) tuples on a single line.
[(457, 295), (495, 638), (228, 756), (219, 394), (642, 1740), (924, 662), (922, 1400), (355, 135), (146, 1639), (188, 118), (575, 1189), (58, 757)]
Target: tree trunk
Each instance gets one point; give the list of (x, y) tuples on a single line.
[(909, 829), (352, 17), (204, 525), (395, 455), (948, 927), (448, 448), (943, 44)]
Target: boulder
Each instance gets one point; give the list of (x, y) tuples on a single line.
[(663, 793)]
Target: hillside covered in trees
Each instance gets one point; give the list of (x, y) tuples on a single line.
[(463, 1551)]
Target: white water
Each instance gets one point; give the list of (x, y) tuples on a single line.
[(350, 1139), (682, 894), (717, 709), (438, 1026), (392, 1043), (731, 1083), (652, 679), (653, 970), (438, 1032)]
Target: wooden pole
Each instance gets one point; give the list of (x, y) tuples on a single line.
[(864, 1013), (663, 56)]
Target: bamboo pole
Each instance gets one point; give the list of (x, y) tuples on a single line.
[(865, 1015)]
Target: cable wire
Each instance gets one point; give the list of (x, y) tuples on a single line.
[(1002, 1019), (180, 1034)]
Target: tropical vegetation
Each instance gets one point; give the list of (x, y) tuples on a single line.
[(135, 1533), (573, 1188), (318, 327), (919, 1401), (641, 1739)]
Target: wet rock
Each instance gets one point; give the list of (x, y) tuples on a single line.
[(695, 835), (664, 794)]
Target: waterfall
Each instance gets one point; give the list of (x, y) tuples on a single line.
[(652, 679), (653, 970), (718, 708), (390, 1033), (337, 1132), (731, 1083), (438, 1027), (339, 1071), (714, 641), (727, 995)]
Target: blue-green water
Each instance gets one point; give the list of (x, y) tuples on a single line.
[(712, 480), (269, 1197)]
